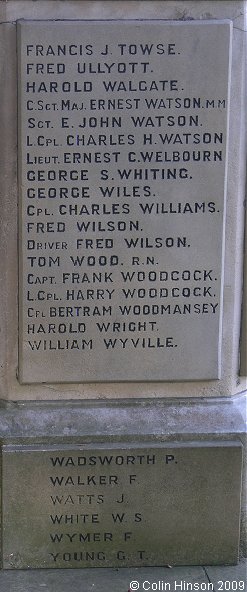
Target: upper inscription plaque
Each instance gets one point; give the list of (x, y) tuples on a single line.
[(122, 162)]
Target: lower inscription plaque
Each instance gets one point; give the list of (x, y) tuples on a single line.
[(121, 505)]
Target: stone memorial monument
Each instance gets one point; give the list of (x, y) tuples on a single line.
[(123, 395)]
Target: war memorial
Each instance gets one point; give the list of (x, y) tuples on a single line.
[(123, 335)]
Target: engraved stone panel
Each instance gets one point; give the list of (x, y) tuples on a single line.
[(122, 165), (120, 505)]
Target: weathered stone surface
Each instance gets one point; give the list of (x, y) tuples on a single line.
[(122, 160), (103, 580), (243, 352), (232, 577), (120, 505)]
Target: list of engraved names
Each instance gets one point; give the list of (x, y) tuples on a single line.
[(122, 165), (118, 505)]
